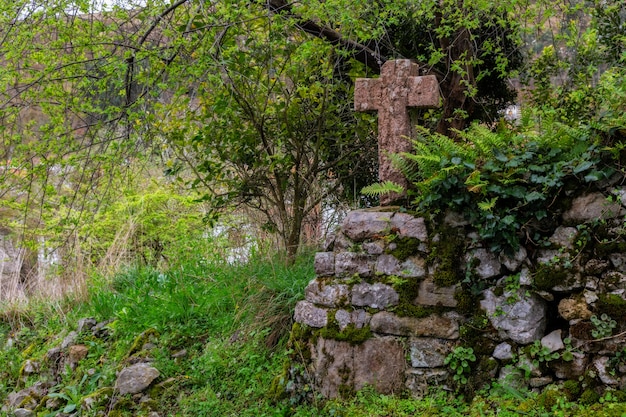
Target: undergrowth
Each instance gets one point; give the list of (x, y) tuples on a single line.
[(231, 322)]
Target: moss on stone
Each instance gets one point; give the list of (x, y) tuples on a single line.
[(588, 397), (277, 390), (550, 397), (299, 339), (546, 277), (467, 303), (473, 332), (446, 255), (572, 389), (350, 333), (141, 340), (404, 247), (613, 305)]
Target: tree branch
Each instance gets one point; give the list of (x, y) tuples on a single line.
[(360, 52)]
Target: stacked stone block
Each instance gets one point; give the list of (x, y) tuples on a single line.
[(540, 296)]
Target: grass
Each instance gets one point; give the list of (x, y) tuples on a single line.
[(232, 322)]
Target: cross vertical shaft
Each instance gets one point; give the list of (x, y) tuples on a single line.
[(398, 88)]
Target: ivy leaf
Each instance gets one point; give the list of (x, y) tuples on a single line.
[(534, 196), (583, 166)]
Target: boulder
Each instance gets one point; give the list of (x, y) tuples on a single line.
[(135, 378), (352, 263), (406, 225)]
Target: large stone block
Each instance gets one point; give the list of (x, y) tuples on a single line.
[(329, 295), (360, 225), (339, 367), (434, 325), (307, 313), (375, 295)]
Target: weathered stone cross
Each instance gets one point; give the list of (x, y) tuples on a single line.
[(397, 88)]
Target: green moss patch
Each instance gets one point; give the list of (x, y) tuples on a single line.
[(446, 255)]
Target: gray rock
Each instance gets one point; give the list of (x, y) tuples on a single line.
[(413, 267), (540, 381), (518, 316), (596, 266), (309, 314), (374, 248), (324, 264), (358, 318), (86, 324), (600, 363), (351, 263), (329, 295), (553, 341), (360, 225), (23, 412), (525, 278), (135, 378), (488, 267), (564, 237), (69, 340), (409, 226), (503, 351), (592, 206), (375, 295), (30, 367), (512, 263), (619, 261), (429, 352), (434, 325), (430, 294)]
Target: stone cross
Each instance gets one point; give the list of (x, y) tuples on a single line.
[(398, 88)]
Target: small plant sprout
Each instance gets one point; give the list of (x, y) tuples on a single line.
[(603, 326), (459, 361)]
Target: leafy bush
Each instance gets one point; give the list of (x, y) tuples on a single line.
[(506, 181)]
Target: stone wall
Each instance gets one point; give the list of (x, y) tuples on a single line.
[(396, 293)]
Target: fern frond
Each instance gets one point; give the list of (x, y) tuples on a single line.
[(381, 188)]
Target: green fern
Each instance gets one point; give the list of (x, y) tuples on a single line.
[(381, 188)]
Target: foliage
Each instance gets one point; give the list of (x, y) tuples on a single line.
[(504, 181), (603, 326), (459, 361)]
